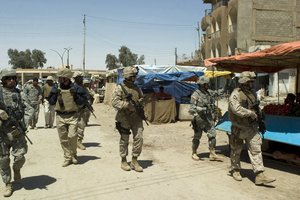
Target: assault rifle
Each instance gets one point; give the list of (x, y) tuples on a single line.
[(90, 108), (260, 117), (139, 108), (13, 122)]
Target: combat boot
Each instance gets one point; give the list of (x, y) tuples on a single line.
[(74, 160), (17, 175), (261, 179), (80, 145), (236, 175), (124, 164), (195, 157), (135, 165), (214, 157), (8, 190), (66, 163)]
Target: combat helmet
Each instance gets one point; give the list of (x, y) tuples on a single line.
[(246, 76), (203, 80), (77, 74), (50, 78), (129, 71), (7, 72), (86, 81), (65, 72)]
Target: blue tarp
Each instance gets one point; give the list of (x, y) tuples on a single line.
[(174, 83), (283, 129)]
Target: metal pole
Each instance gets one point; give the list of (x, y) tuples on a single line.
[(60, 55), (84, 30), (68, 54)]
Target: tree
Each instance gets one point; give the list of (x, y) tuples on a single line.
[(111, 62), (126, 57), (141, 60), (26, 59)]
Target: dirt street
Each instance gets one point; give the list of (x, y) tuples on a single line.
[(169, 171)]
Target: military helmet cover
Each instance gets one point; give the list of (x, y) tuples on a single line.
[(7, 72), (203, 80), (65, 72), (129, 71), (77, 74), (50, 78), (86, 81), (246, 76)]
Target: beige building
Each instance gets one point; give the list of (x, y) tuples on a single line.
[(237, 26)]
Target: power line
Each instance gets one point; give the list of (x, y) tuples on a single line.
[(138, 22)]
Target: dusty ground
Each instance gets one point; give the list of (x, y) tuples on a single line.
[(169, 171)]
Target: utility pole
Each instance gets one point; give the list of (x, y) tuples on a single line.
[(199, 39), (68, 54), (84, 32), (175, 56), (60, 55)]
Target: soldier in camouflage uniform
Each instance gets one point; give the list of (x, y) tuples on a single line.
[(204, 111), (12, 127), (127, 119), (245, 128), (91, 93), (78, 86), (67, 102), (33, 96), (48, 109)]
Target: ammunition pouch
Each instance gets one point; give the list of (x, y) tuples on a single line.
[(121, 129)]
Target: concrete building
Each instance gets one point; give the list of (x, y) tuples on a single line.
[(232, 27)]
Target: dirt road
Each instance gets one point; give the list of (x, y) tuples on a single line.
[(169, 171)]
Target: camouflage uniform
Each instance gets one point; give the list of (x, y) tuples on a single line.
[(33, 96), (245, 128), (11, 139), (48, 109), (66, 102), (91, 93), (127, 119), (204, 111), (78, 86)]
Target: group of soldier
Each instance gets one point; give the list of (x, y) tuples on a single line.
[(245, 123), (71, 101), (19, 110)]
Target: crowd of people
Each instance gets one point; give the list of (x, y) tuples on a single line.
[(70, 100)]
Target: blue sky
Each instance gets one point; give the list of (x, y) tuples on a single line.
[(153, 28)]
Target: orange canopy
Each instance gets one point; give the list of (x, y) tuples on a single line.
[(274, 59)]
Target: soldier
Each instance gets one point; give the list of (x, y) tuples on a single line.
[(91, 93), (78, 86), (48, 109), (12, 127), (66, 101), (33, 96), (204, 111), (245, 128), (127, 118)]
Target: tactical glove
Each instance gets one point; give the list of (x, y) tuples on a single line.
[(3, 115)]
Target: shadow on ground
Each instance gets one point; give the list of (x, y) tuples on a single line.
[(35, 182), (146, 163), (92, 144), (84, 159)]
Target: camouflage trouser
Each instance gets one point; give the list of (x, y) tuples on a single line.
[(19, 149), (35, 115), (86, 115), (210, 132), (253, 142), (81, 125), (49, 113), (137, 132), (67, 131)]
